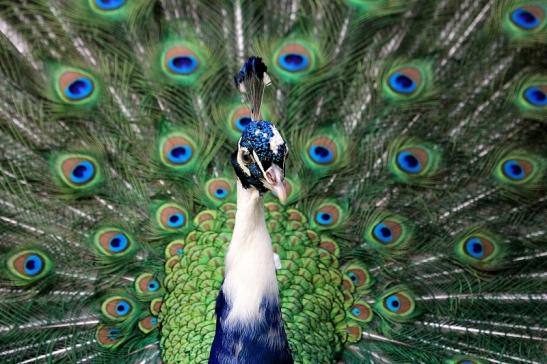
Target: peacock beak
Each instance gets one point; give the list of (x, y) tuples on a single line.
[(275, 182)]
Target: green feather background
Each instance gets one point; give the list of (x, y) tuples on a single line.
[(415, 229)]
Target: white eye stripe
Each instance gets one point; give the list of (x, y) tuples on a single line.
[(259, 163), (242, 164)]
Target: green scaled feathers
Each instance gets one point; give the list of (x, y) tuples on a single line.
[(310, 300)]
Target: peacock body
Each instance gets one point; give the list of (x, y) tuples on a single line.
[(414, 224)]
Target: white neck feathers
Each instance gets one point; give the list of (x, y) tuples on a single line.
[(250, 271)]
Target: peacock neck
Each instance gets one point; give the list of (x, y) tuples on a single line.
[(250, 279)]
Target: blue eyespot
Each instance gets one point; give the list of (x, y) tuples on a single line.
[(321, 154), (79, 89), (118, 243), (33, 265), (221, 192), (114, 333), (180, 251), (242, 123), (475, 248), (513, 170), (109, 4), (383, 233), (393, 303), (153, 285), (535, 96), (123, 308), (524, 19), (352, 276), (294, 62), (180, 154), (154, 320), (408, 162), (323, 218), (183, 64), (355, 311), (175, 220), (402, 83), (83, 172)]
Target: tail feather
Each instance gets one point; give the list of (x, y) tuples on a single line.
[(416, 177)]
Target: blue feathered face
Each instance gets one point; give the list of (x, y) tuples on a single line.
[(260, 159)]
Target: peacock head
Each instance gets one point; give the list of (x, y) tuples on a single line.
[(259, 161)]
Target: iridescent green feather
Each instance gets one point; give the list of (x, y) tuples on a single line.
[(73, 86), (406, 82), (481, 249), (388, 233), (80, 173), (27, 266), (522, 21), (295, 58), (519, 171), (531, 97), (397, 304), (180, 60), (414, 162)]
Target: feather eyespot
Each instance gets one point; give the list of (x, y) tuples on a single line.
[(520, 170), (322, 151), (358, 275), (76, 86), (397, 303), (172, 217), (387, 232), (528, 17), (481, 250), (177, 151), (218, 189), (294, 58), (29, 266), (412, 160), (108, 336), (78, 171), (113, 242), (478, 247), (327, 215), (147, 284), (148, 324), (361, 311), (536, 96), (109, 4), (175, 248), (516, 170), (240, 118), (405, 80), (117, 308), (181, 61)]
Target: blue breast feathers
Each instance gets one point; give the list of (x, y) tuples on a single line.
[(264, 342)]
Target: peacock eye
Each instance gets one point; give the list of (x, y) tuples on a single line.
[(246, 157)]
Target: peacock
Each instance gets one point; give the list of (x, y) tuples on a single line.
[(275, 182)]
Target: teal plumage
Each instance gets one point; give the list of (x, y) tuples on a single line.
[(415, 224)]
